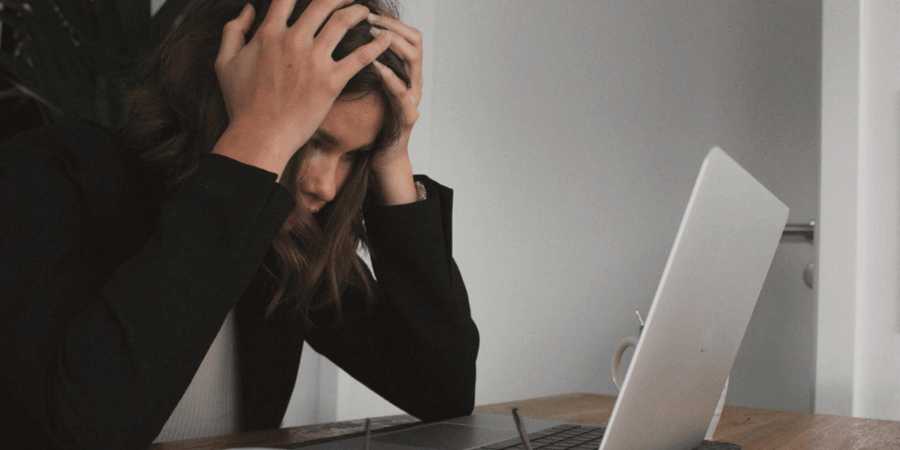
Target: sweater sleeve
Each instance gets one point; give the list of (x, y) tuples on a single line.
[(98, 358), (416, 344)]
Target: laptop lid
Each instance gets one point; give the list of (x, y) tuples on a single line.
[(701, 309)]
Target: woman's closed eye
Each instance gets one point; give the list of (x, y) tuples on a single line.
[(316, 143), (355, 155)]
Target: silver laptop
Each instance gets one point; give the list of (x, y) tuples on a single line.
[(710, 285)]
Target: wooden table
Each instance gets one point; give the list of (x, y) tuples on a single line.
[(750, 428)]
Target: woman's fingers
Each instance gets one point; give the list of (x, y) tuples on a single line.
[(409, 98), (338, 24), (406, 43), (334, 29), (410, 54), (395, 85), (234, 36), (410, 34), (361, 57), (314, 16), (279, 86), (278, 13)]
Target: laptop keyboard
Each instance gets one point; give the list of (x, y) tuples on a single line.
[(560, 437)]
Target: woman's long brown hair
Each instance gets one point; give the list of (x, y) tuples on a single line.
[(175, 113)]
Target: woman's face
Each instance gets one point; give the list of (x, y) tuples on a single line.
[(349, 129)]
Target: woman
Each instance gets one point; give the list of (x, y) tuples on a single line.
[(217, 231)]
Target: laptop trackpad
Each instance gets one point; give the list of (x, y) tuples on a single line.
[(445, 436)]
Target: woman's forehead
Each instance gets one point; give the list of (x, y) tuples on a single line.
[(353, 124)]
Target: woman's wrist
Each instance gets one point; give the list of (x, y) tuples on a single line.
[(252, 146), (394, 182)]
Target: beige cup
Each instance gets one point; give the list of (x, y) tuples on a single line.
[(617, 360)]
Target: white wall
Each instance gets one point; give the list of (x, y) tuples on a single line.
[(572, 132), (859, 320), (877, 365)]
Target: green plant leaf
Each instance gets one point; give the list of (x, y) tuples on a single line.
[(18, 70), (80, 16), (10, 19), (11, 93), (52, 53), (17, 4), (44, 43), (18, 90), (76, 51)]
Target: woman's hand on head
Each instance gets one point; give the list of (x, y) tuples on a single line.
[(279, 86), (391, 168)]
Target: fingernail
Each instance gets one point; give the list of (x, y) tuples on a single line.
[(373, 18), (376, 31), (380, 67)]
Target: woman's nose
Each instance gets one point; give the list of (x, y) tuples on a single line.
[(321, 177)]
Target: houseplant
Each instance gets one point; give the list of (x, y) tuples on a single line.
[(71, 57)]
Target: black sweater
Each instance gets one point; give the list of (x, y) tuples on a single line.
[(110, 298)]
